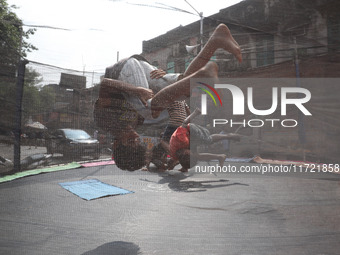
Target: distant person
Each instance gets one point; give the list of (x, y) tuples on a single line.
[(95, 134)]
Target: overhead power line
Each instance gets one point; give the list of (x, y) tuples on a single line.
[(49, 27)]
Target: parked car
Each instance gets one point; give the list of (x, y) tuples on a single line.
[(72, 143)]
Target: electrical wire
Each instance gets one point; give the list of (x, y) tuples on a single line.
[(248, 50)]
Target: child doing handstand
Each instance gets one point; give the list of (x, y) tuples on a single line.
[(178, 112), (186, 139)]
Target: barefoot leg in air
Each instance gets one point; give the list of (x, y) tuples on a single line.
[(220, 39)]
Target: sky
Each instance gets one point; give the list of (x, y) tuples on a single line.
[(93, 32)]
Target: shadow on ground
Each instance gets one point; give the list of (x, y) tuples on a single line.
[(115, 248), (176, 182)]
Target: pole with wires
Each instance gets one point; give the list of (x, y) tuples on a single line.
[(201, 30), (172, 8), (301, 130), (201, 24), (17, 130)]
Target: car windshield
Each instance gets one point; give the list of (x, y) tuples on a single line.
[(76, 134)]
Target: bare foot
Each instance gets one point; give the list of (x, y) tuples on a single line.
[(221, 159), (223, 39), (210, 70), (183, 170)]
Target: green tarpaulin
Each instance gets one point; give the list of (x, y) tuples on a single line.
[(39, 171)]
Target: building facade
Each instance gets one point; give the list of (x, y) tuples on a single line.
[(268, 31), (279, 39)]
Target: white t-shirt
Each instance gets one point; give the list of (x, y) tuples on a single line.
[(137, 73)]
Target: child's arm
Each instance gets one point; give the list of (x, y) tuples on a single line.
[(113, 86), (165, 146), (148, 157), (187, 109), (209, 156), (191, 116)]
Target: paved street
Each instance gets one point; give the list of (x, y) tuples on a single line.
[(173, 213), (7, 151)]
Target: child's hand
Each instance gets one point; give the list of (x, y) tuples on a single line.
[(157, 74), (144, 94)]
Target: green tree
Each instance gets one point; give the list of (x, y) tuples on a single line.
[(13, 39), (31, 99), (47, 98), (13, 47), (37, 99)]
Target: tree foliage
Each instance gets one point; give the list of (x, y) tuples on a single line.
[(13, 38), (37, 99), (13, 47)]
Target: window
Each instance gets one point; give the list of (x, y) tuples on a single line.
[(265, 50), (170, 66), (333, 29)]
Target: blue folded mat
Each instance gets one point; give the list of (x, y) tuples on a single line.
[(92, 189)]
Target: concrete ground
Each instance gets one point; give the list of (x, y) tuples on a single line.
[(173, 213), (7, 151)]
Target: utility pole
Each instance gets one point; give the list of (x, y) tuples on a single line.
[(301, 128), (17, 130), (18, 110), (201, 23)]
